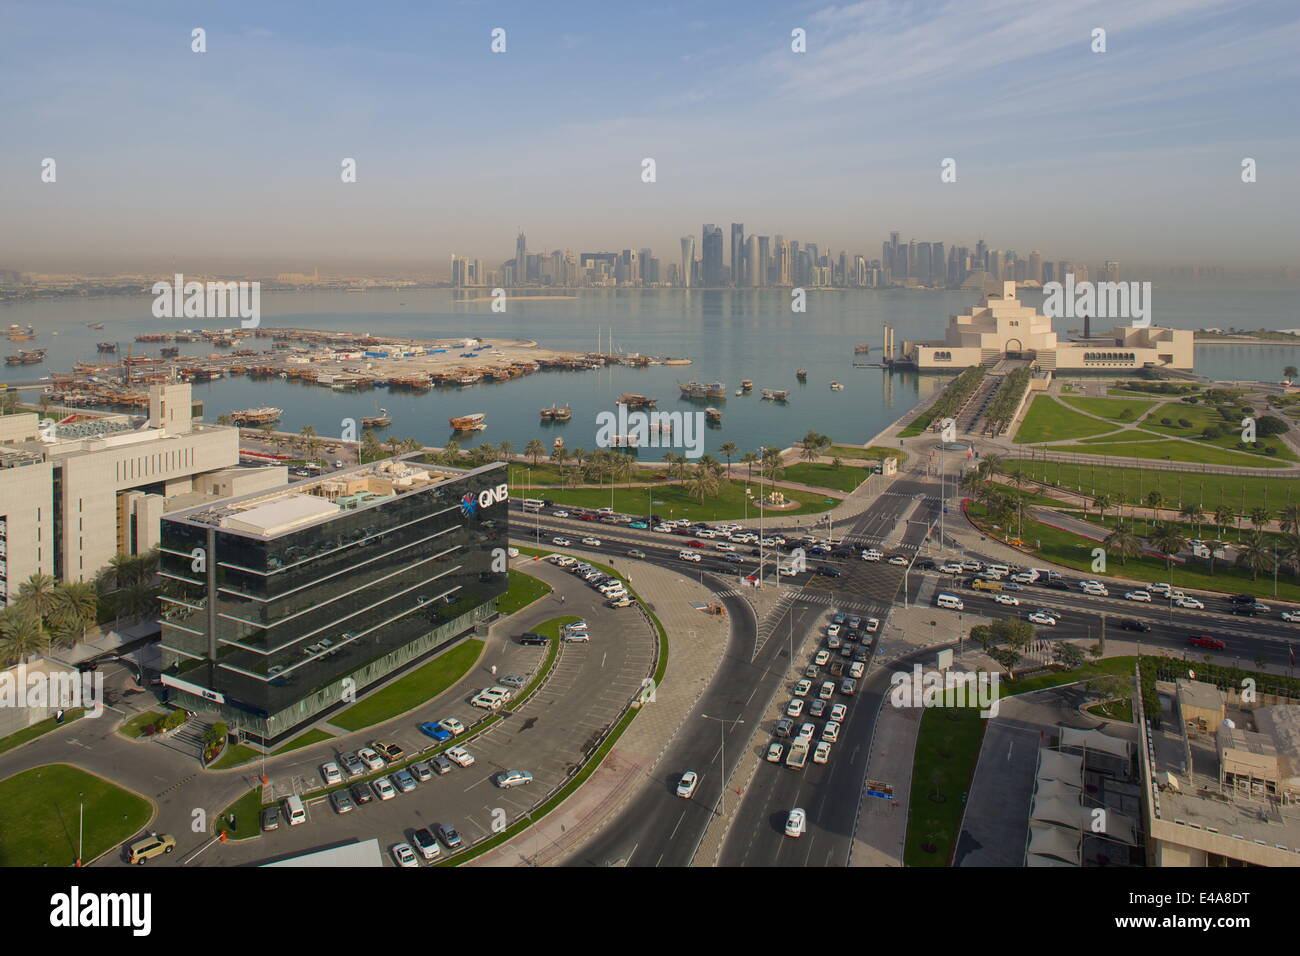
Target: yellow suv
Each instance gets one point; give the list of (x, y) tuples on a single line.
[(150, 846)]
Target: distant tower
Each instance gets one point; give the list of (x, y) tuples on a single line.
[(688, 260), (521, 259)]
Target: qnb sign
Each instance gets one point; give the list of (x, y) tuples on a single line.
[(470, 504)]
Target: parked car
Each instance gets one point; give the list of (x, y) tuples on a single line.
[(371, 759), (838, 712), (433, 729), (822, 753), (448, 835), (822, 658), (270, 819), (794, 708), (421, 771), (331, 773), (507, 779), (460, 756), (440, 764), (404, 781), (384, 790), (342, 801), (775, 751), (425, 842), (783, 727), (390, 752), (513, 680), (801, 689), (361, 793), (831, 731), (352, 764), (404, 856), (453, 725), (816, 707)]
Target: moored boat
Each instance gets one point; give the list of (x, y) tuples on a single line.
[(712, 415), (256, 416), (637, 401), (382, 420), (776, 394), (468, 423), (801, 374), (836, 387)]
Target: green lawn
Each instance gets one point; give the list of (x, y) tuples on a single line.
[(1129, 484), (247, 825), (40, 809), (547, 474), (1193, 452), (1119, 710), (677, 501), (524, 589), (1049, 420), (313, 736), (234, 756), (1116, 409), (406, 693), (844, 478), (874, 453), (38, 729), (947, 749), (1201, 417), (1127, 435), (1070, 550), (134, 727)]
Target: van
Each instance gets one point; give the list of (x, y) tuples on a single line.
[(950, 601), (997, 570), (294, 811), (980, 584)]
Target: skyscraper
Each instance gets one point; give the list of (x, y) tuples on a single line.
[(737, 253), (764, 260), (688, 261), (711, 256), (521, 260)]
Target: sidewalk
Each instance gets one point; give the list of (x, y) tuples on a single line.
[(696, 642)]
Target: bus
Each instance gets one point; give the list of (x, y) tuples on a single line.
[(533, 505)]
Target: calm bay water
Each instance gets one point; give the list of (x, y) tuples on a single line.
[(730, 335)]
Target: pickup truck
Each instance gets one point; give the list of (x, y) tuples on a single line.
[(797, 757)]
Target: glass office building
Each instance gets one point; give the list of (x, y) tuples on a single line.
[(283, 606)]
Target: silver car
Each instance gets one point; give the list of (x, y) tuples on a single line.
[(342, 801), (404, 781)]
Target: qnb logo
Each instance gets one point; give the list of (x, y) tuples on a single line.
[(922, 688), (1098, 300), (76, 909), (471, 503), (208, 300)]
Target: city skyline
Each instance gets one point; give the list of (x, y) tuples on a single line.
[(1136, 150)]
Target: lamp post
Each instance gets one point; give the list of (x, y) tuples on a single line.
[(722, 765)]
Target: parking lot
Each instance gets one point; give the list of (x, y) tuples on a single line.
[(548, 735)]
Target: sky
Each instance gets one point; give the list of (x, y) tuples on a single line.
[(167, 158)]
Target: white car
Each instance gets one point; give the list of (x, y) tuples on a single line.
[(1007, 599), (1042, 617), (786, 571), (370, 758), (775, 752), (823, 752), (794, 708), (899, 560), (823, 658), (686, 786), (403, 855), (723, 546), (831, 732), (1292, 617), (951, 567), (562, 542), (832, 630), (1137, 596), (592, 542), (460, 756), (805, 734), (796, 822), (838, 712), (331, 773), (663, 529), (453, 725), (1160, 587), (872, 625), (689, 556), (1193, 603), (561, 514), (802, 688), (384, 790), (1024, 577), (576, 637), (871, 554), (857, 669)]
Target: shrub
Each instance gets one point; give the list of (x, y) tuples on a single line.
[(1270, 450), (1166, 421), (1184, 423), (1212, 432)]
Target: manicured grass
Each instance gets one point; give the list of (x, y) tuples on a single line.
[(1116, 409), (134, 727), (523, 591), (313, 736), (1129, 484), (247, 825), (1193, 452), (38, 729), (1075, 551), (408, 692), (1126, 435), (1120, 710), (844, 478), (548, 474), (233, 757), (1049, 420), (947, 749), (677, 501), (1107, 666), (1201, 417), (40, 811)]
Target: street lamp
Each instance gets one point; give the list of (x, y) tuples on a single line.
[(722, 766)]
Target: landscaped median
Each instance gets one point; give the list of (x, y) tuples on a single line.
[(43, 810), (38, 729)]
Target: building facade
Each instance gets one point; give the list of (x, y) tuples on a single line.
[(282, 606)]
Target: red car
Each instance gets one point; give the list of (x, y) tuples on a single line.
[(1205, 641), (694, 544)]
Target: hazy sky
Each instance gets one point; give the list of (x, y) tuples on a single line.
[(167, 157)]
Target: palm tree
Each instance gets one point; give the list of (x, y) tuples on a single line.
[(1102, 502), (1124, 542), (726, 450), (1290, 517), (225, 420), (1259, 517), (748, 460), (305, 434), (771, 466), (451, 452), (1168, 540), (1192, 514), (534, 450), (1154, 500), (1290, 372), (1255, 553), (21, 635), (1214, 546), (37, 595), (1288, 552), (704, 481), (506, 450), (560, 455), (1223, 515), (370, 446)]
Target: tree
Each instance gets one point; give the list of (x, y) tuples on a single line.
[(1070, 655), (1168, 540), (37, 595), (771, 466), (704, 481), (726, 450), (1154, 500), (1259, 517), (1290, 517), (534, 450), (1290, 372), (1288, 552), (982, 635), (21, 635), (370, 446), (1102, 503), (1223, 516), (1192, 513), (560, 455), (1255, 553), (1007, 658), (451, 452), (748, 460), (506, 450), (1123, 542)]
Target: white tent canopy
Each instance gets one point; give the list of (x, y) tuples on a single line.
[(1054, 765), (1095, 740), (1047, 841), (1060, 811), (1056, 789)]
